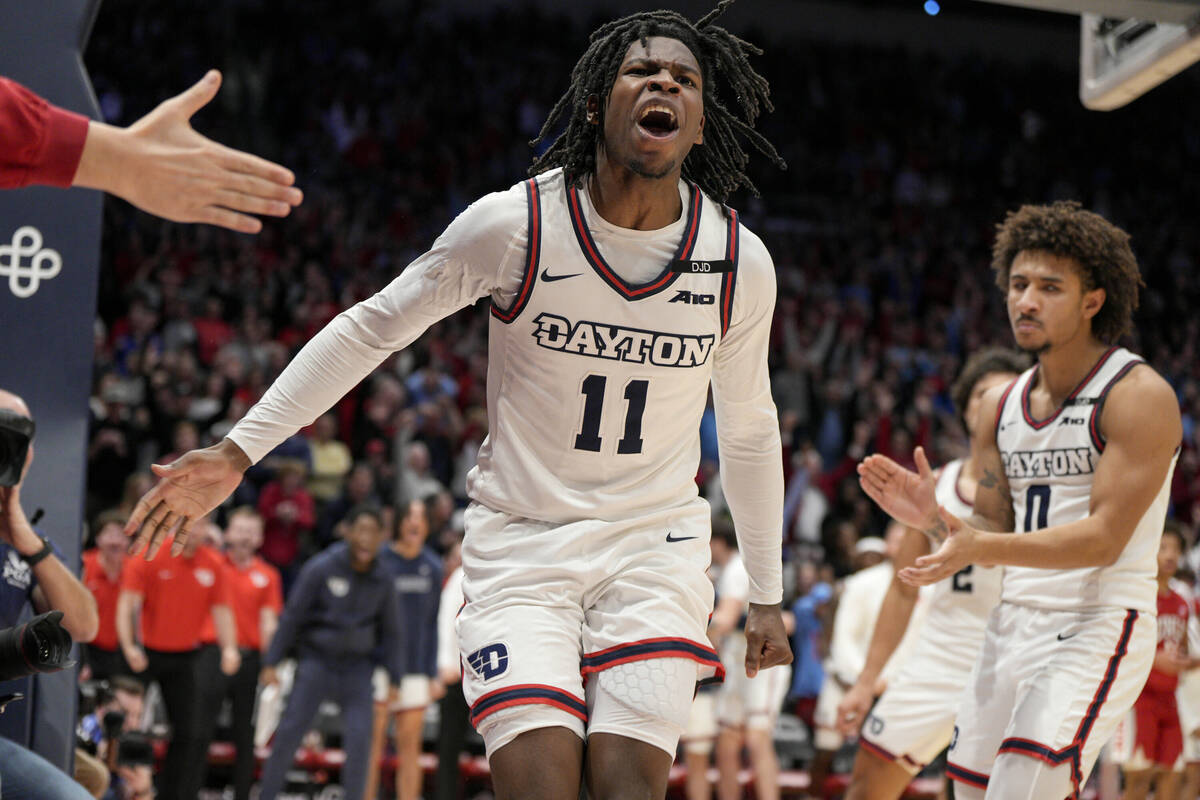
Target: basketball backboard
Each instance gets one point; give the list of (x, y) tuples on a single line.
[(1127, 47)]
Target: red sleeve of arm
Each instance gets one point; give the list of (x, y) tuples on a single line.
[(39, 142), (132, 575)]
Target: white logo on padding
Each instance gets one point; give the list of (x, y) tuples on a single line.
[(339, 587), (24, 279)]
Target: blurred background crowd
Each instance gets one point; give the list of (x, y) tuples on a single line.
[(900, 165)]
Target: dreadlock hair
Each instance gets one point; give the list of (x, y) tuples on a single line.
[(718, 165), (986, 362), (1099, 248)]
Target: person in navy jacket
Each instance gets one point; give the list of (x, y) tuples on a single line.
[(341, 619), (417, 575)]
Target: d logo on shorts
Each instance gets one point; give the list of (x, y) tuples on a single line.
[(490, 661)]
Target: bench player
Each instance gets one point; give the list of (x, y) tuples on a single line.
[(1079, 461), (621, 287), (914, 718)]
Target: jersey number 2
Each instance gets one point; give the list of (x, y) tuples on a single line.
[(593, 404)]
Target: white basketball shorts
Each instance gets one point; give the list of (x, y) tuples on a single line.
[(415, 690), (914, 719), (1050, 686), (550, 606), (753, 703)]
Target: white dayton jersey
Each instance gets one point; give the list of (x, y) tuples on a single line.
[(1050, 465), (596, 387), (914, 719), (960, 604)]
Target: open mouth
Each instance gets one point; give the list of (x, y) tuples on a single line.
[(658, 121)]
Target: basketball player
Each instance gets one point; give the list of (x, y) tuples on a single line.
[(914, 719), (1079, 460), (1149, 743), (621, 287), (746, 708)]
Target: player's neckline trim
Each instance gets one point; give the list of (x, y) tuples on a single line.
[(592, 253), (1038, 424)]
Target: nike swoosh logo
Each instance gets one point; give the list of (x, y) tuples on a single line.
[(546, 276), (680, 538), (1062, 638)]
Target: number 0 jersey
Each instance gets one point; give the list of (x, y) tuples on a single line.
[(1050, 465), (596, 387)]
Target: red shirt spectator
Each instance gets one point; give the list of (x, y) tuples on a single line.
[(254, 587), (178, 595), (288, 513), (42, 142)]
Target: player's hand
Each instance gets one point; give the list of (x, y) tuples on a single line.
[(907, 496), (956, 552), (189, 487), (853, 709), (766, 640), (136, 658), (231, 660), (163, 166), (268, 676)]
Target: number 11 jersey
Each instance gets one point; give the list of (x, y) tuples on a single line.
[(596, 387)]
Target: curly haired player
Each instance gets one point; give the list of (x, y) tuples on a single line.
[(621, 289), (1078, 460)]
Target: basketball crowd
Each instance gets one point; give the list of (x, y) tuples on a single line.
[(899, 167)]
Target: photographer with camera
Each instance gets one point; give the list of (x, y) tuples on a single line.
[(108, 736), (32, 573)]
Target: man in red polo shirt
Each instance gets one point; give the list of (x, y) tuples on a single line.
[(256, 592), (102, 567), (174, 596)]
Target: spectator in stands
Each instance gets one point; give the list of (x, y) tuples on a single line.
[(359, 490), (102, 567), (416, 478), (173, 596), (809, 613), (341, 618), (256, 594), (417, 573), (289, 515), (331, 461)]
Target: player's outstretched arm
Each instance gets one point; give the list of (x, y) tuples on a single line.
[(1142, 429), (163, 166), (188, 489), (890, 626)]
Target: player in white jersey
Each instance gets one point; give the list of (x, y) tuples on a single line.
[(914, 718), (621, 287), (1079, 462), (747, 708)]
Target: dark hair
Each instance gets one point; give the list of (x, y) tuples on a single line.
[(113, 516), (1100, 249), (364, 510), (1173, 527), (986, 362), (402, 512), (718, 165)]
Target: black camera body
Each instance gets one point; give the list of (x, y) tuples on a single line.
[(16, 432)]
